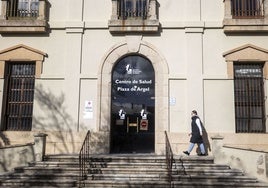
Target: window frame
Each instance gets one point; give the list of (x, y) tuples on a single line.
[(26, 23), (22, 9), (245, 24), (249, 97), (18, 99), (20, 53), (245, 54), (140, 24), (247, 9), (133, 9)]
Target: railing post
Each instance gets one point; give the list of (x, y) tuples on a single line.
[(39, 146)]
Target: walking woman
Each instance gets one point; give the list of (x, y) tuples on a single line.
[(196, 135)]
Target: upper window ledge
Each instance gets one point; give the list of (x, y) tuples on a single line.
[(37, 24), (245, 25), (23, 26), (118, 26)]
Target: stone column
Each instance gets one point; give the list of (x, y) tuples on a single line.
[(152, 10), (227, 9), (39, 146), (114, 15), (3, 10), (217, 144), (42, 10)]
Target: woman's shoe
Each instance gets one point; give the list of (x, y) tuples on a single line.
[(186, 152), (201, 154)]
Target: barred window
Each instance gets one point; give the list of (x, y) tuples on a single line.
[(249, 98), (247, 8), (23, 8), (19, 96), (133, 9)]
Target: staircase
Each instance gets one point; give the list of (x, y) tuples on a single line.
[(137, 170), (54, 171)]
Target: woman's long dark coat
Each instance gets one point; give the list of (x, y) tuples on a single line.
[(196, 137)]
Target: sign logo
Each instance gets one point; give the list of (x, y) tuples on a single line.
[(130, 70)]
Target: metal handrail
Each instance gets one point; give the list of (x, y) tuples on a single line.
[(169, 158), (83, 159)]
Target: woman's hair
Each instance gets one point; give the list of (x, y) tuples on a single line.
[(195, 112)]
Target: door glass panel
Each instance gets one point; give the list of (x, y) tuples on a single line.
[(133, 103)]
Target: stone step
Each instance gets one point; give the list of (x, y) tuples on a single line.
[(201, 166), (109, 175), (38, 182), (150, 158), (45, 170), (54, 164), (194, 159), (141, 170), (197, 184), (125, 164), (129, 177), (127, 184), (195, 171), (38, 175), (214, 178), (216, 172), (62, 158), (164, 184)]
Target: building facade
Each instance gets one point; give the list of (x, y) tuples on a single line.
[(129, 70)]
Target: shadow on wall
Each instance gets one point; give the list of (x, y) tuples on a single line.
[(99, 143), (13, 156), (4, 141), (54, 119)]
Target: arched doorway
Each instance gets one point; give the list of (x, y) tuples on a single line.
[(133, 106)]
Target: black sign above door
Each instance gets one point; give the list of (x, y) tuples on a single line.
[(133, 103)]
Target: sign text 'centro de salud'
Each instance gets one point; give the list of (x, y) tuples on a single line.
[(132, 82), (133, 85)]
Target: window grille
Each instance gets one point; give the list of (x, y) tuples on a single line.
[(133, 9), (247, 8), (20, 80), (23, 8), (249, 98)]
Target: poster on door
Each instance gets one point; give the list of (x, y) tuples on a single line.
[(144, 125)]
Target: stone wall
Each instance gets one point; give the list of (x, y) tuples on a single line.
[(253, 162), (20, 155)]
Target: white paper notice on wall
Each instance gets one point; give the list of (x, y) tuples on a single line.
[(88, 110), (172, 101)]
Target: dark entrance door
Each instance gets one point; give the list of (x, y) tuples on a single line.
[(133, 104)]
